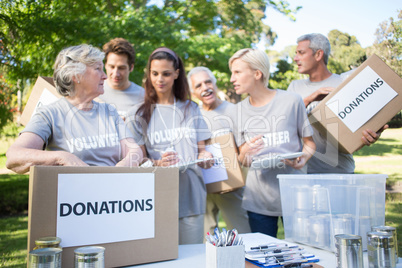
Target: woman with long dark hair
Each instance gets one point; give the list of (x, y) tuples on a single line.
[(171, 131)]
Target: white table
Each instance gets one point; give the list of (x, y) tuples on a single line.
[(194, 255)]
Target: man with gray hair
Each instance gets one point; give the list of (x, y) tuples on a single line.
[(311, 57), (216, 113)]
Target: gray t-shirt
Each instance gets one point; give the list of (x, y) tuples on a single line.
[(181, 129), (327, 158), (220, 120), (123, 100), (283, 122), (93, 136)]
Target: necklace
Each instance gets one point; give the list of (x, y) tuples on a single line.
[(174, 119)]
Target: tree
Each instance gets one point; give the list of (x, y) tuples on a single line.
[(346, 52), (202, 32), (388, 43), (6, 114)]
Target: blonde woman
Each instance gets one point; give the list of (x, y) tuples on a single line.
[(269, 122)]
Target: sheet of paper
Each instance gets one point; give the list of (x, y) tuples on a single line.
[(105, 208), (218, 171), (361, 99)]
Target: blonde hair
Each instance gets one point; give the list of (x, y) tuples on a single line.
[(256, 60)]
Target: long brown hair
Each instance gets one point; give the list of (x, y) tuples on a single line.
[(180, 88)]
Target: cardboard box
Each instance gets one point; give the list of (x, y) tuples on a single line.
[(49, 189), (42, 93), (233, 177), (367, 99)]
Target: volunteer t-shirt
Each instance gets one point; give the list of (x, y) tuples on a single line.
[(327, 158), (93, 136), (178, 128), (123, 100), (220, 120), (283, 122)]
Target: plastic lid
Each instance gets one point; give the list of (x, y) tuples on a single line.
[(48, 241)]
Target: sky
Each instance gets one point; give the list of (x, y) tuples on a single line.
[(360, 18)]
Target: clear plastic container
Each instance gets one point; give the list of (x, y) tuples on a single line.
[(316, 207)]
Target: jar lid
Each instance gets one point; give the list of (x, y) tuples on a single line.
[(45, 251), (348, 239), (379, 235), (383, 228), (48, 241), (89, 251)]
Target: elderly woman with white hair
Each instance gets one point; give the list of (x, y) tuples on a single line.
[(270, 122), (75, 130)]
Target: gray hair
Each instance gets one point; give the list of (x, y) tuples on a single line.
[(256, 59), (197, 70), (317, 42), (72, 63)]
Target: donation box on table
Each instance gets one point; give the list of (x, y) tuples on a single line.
[(131, 212), (316, 207)]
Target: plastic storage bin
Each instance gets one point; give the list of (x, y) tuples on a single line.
[(317, 207)]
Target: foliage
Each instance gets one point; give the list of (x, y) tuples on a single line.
[(388, 43), (285, 69), (6, 115), (202, 32), (286, 72), (346, 52)]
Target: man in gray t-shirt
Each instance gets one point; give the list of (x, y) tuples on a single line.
[(217, 116), (311, 58), (119, 63)]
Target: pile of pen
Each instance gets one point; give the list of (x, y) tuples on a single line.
[(279, 255), (224, 238)]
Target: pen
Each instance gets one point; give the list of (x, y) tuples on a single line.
[(268, 246)]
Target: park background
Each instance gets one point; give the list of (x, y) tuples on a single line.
[(202, 32)]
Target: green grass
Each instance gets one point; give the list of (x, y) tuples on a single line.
[(13, 194), (13, 241), (384, 157)]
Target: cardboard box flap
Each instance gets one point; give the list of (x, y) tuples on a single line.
[(43, 92)]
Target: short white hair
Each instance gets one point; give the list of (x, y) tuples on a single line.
[(197, 70), (72, 62), (256, 60)]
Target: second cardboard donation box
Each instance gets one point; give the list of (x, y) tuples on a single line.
[(226, 174), (367, 99), (43, 93)]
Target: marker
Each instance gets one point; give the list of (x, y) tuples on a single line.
[(269, 246)]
